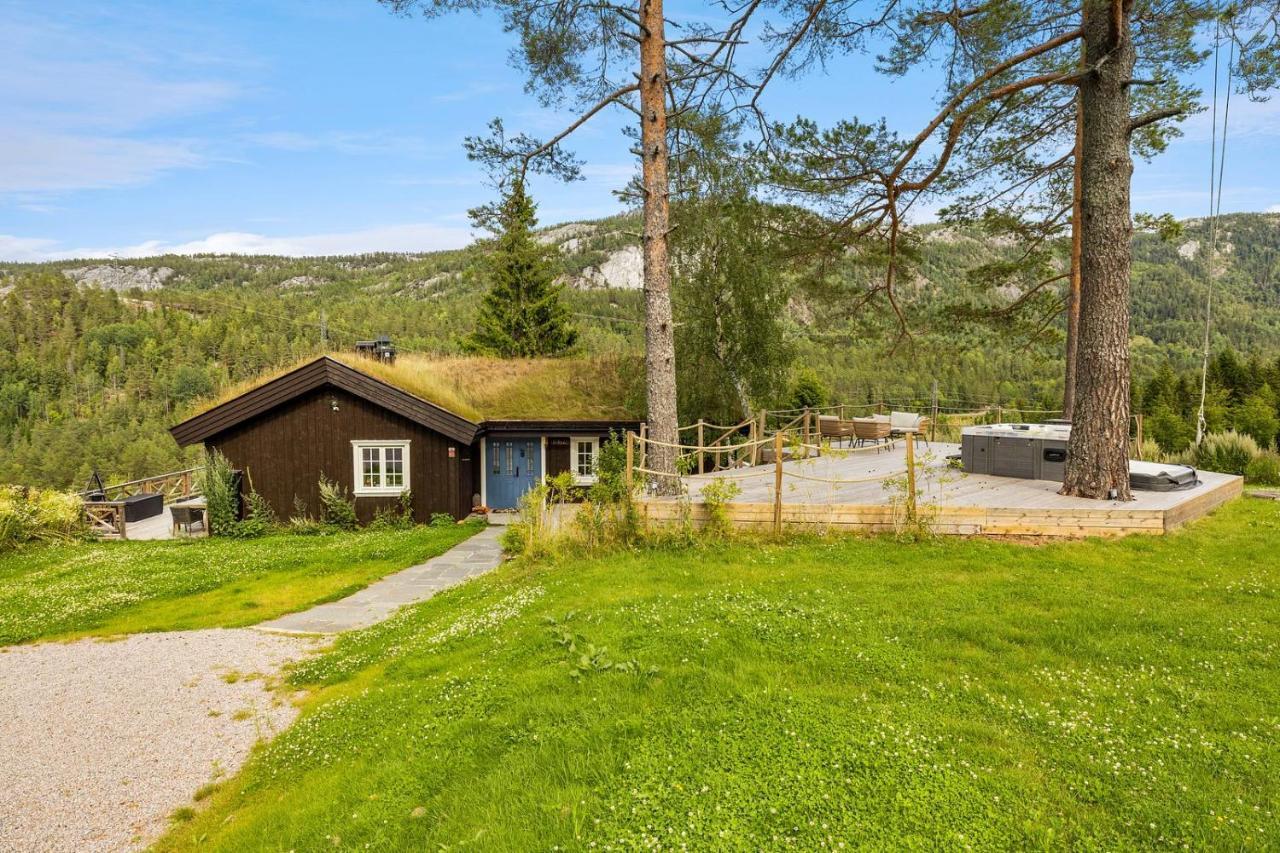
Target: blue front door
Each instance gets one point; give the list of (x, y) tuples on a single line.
[(513, 466)]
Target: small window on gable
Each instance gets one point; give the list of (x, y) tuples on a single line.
[(584, 459), (381, 467)]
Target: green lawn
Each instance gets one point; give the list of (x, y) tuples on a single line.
[(953, 694), (125, 587)]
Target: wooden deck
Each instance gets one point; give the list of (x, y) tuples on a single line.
[(951, 501), (157, 527)]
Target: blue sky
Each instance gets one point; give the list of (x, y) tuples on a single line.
[(332, 126)]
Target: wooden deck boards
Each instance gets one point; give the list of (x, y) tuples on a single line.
[(956, 503)]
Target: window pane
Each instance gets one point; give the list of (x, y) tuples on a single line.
[(371, 467), (495, 451), (585, 459), (394, 460), (511, 462)]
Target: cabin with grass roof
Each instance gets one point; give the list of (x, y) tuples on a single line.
[(454, 433)]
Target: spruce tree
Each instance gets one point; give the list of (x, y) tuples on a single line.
[(522, 314)]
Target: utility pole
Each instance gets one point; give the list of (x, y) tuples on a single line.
[(324, 329)]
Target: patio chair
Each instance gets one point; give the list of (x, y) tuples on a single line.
[(186, 517), (909, 424), (832, 428), (871, 430)]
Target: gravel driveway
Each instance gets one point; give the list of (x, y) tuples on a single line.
[(101, 740)]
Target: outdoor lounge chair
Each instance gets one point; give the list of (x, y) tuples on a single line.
[(908, 424), (834, 429), (871, 429)]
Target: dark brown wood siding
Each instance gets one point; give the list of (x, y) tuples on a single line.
[(284, 451), (557, 455)]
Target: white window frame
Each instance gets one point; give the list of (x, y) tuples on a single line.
[(574, 441), (357, 456)]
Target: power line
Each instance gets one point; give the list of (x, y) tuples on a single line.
[(1218, 164)]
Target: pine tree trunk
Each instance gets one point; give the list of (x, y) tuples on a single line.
[(660, 348), (1073, 292), (1098, 462)]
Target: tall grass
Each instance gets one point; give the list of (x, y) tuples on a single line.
[(479, 388), (1227, 452), (38, 515)]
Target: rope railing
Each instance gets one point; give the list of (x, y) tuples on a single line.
[(779, 470)]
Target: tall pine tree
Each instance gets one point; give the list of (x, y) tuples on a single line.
[(522, 314)]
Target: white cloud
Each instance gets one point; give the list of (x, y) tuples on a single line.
[(26, 249), (1248, 118), (363, 143), (72, 122), (408, 237), (34, 161)]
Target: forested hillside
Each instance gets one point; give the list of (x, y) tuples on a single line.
[(98, 358)]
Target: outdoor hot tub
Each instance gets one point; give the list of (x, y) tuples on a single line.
[(1039, 452)]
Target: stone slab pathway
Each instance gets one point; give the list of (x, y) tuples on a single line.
[(479, 554)]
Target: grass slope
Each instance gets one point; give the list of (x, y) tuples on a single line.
[(124, 587), (860, 692)]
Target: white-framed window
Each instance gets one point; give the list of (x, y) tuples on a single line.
[(582, 458), (381, 467)]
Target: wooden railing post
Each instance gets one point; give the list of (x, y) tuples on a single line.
[(644, 445), (700, 445), (805, 432), (777, 483), (911, 478), (631, 443), (753, 436), (933, 417), (1139, 451)]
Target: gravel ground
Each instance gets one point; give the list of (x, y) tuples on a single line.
[(101, 740)]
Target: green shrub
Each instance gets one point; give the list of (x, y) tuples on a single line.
[(716, 495), (807, 390), (1170, 430), (1256, 417), (1150, 451), (259, 518), (607, 516), (336, 506), (514, 538), (441, 519), (217, 482), (400, 516), (1227, 452), (1264, 469), (38, 515), (302, 524)]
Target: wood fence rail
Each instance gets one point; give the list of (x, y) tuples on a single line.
[(175, 484), (107, 517)]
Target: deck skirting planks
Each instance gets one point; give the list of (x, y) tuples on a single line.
[(946, 519)]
